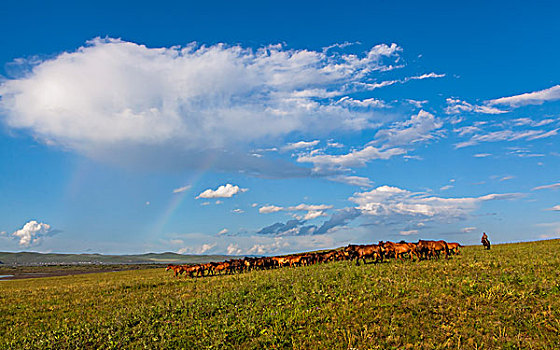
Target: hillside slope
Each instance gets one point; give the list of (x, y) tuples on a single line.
[(508, 297)]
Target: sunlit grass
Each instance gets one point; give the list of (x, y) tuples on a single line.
[(508, 297)]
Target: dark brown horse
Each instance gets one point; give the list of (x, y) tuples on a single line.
[(432, 248), (364, 252)]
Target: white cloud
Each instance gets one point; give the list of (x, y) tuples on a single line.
[(482, 155), (223, 232), (313, 210), (313, 214), (393, 201), (416, 103), (365, 103), (111, 99), (446, 187), (548, 187), (307, 207), (353, 159), (467, 130), (352, 180), (224, 191), (204, 248), (267, 209), (530, 98), (426, 76), (182, 189), (334, 144), (506, 135), (535, 123), (377, 85), (555, 208), (300, 145), (468, 229), (455, 106), (31, 233), (238, 211), (408, 232), (261, 249), (420, 127), (506, 178), (233, 249)]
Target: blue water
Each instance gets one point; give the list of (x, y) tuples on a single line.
[(5, 276)]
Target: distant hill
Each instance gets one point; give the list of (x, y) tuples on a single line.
[(30, 258)]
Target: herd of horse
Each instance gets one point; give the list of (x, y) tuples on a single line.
[(421, 250)]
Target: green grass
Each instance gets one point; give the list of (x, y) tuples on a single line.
[(508, 297)]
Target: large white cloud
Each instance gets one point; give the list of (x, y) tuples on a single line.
[(31, 233), (111, 95)]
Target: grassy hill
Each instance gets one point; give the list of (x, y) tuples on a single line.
[(505, 298), (30, 258)]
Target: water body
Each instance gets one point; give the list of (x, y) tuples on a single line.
[(5, 276)]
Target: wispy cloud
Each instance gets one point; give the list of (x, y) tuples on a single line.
[(547, 187), (530, 98), (352, 180), (506, 135), (420, 127), (313, 210), (223, 232), (455, 106), (325, 162), (182, 189)]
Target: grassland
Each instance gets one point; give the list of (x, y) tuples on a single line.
[(508, 297)]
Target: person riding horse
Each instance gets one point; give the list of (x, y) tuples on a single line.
[(484, 240)]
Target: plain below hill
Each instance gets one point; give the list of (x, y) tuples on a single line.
[(33, 258)]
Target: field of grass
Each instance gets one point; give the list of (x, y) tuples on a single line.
[(508, 297)]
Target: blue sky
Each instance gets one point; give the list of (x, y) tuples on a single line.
[(266, 128)]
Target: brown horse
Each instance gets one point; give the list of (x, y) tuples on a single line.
[(178, 269), (399, 249), (454, 248), (432, 248), (363, 252)]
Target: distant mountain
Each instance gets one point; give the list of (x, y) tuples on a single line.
[(30, 258)]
